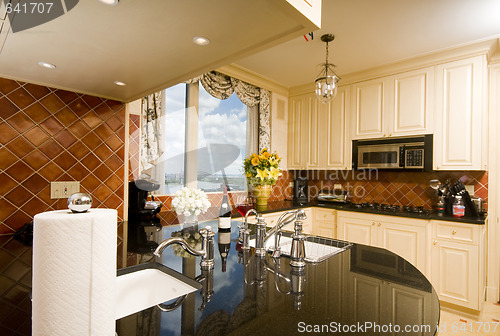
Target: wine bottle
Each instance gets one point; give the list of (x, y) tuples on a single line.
[(225, 211), (224, 243)]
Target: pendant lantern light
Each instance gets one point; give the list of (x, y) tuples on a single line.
[(326, 83)]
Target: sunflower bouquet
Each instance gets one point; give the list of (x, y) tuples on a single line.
[(262, 169)]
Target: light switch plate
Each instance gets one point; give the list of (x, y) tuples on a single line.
[(64, 189)]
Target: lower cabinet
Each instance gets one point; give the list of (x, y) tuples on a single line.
[(404, 236), (450, 254), (324, 222), (457, 263), (379, 302)]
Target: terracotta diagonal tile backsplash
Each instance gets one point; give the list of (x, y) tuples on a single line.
[(49, 135), (400, 188)]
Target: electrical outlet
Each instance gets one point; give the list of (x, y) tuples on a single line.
[(63, 189), (337, 186), (290, 185)]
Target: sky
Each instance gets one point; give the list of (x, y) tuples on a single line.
[(220, 122)]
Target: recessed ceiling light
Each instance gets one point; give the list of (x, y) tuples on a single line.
[(200, 40), (109, 2), (46, 65), (120, 83)]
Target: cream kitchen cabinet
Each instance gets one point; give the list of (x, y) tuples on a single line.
[(378, 300), (317, 133), (325, 222), (460, 118), (457, 263), (392, 106), (406, 237), (297, 132), (370, 108)]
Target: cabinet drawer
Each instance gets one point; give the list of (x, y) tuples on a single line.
[(324, 214), (457, 232)]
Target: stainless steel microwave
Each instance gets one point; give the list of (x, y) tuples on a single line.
[(398, 153)]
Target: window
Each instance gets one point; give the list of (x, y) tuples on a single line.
[(221, 142), (173, 160), (217, 136)]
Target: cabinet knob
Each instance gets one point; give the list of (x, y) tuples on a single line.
[(373, 223), (379, 224), (453, 232), (437, 167), (434, 242)]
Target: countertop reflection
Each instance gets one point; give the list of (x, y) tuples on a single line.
[(364, 290)]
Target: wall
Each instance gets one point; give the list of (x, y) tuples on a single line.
[(49, 135), (55, 135), (400, 188)]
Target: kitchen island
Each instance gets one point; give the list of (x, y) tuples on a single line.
[(361, 291)]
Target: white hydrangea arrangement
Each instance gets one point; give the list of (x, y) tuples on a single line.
[(189, 201)]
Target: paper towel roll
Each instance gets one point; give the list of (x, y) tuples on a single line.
[(74, 273)]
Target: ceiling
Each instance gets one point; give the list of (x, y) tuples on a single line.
[(372, 33), (150, 47), (146, 44)]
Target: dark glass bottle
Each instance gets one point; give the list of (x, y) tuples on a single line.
[(224, 243), (225, 211)]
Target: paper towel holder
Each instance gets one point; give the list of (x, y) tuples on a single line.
[(79, 202)]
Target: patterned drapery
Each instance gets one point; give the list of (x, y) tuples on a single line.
[(152, 142), (264, 120), (222, 87)]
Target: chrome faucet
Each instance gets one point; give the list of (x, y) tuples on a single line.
[(206, 253), (244, 234), (298, 251), (260, 235), (286, 218)]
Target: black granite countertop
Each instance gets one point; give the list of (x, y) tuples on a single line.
[(361, 291), (289, 205)]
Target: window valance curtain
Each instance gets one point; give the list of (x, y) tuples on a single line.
[(222, 87), (151, 133)]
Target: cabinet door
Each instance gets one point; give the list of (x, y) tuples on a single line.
[(459, 115), (297, 125), (406, 307), (413, 103), (314, 131), (357, 230), (325, 223), (369, 106), (455, 273), (407, 239), (338, 148), (365, 299)]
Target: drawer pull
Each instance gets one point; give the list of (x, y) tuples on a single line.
[(435, 242), (379, 224), (373, 223), (453, 232)]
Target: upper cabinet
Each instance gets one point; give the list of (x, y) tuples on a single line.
[(460, 118), (412, 100), (318, 133), (398, 105), (447, 99), (369, 104)]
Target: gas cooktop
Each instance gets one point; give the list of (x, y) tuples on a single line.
[(390, 208), (383, 208)]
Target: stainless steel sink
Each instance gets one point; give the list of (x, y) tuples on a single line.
[(145, 285), (317, 248)]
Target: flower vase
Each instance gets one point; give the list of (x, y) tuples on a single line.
[(191, 219), (262, 194)]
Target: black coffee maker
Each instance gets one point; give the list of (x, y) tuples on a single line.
[(140, 210)]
